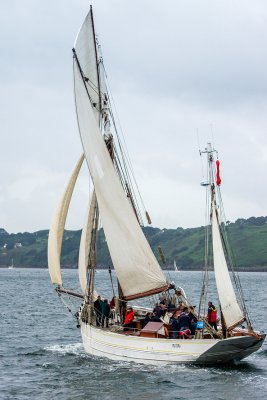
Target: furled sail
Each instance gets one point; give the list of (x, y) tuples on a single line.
[(57, 228), (86, 242), (137, 269), (230, 308), (85, 48)]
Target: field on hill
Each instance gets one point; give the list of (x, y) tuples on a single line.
[(248, 238)]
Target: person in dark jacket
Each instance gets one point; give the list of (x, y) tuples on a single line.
[(147, 318), (105, 310), (155, 318), (98, 310), (175, 329), (157, 310), (184, 325), (193, 319)]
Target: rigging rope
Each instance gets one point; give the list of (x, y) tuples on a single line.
[(123, 137), (73, 313)]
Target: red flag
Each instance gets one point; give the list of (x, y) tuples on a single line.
[(218, 179)]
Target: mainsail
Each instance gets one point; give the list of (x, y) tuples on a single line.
[(57, 227), (85, 48), (230, 309), (137, 269), (85, 242)]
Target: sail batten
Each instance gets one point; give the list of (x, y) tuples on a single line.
[(136, 266), (57, 227), (230, 308)]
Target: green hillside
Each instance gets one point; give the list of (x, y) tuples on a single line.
[(248, 239)]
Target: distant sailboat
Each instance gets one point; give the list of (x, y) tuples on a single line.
[(176, 269), (11, 266), (138, 272)]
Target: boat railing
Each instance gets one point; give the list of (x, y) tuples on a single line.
[(99, 321), (113, 323)]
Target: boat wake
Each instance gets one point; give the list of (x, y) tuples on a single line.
[(76, 349)]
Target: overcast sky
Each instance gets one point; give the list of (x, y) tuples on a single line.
[(175, 67)]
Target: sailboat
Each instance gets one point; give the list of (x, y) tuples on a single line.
[(113, 205), (175, 268), (11, 266)]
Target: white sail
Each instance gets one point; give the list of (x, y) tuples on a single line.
[(86, 242), (136, 266), (57, 227), (231, 311), (85, 48)]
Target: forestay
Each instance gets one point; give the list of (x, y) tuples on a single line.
[(57, 227), (231, 311), (85, 47), (86, 242), (137, 269)]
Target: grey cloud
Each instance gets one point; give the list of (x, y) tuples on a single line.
[(174, 67)]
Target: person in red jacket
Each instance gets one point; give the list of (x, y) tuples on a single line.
[(129, 317), (212, 315)]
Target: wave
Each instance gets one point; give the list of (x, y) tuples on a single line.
[(35, 353), (261, 353)]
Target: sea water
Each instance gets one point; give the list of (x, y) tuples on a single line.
[(42, 357)]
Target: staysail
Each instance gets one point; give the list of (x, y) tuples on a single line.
[(137, 269), (57, 227), (85, 242), (85, 48), (230, 308)]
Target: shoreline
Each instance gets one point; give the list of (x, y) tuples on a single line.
[(237, 269)]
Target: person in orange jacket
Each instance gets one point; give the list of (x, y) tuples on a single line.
[(129, 317)]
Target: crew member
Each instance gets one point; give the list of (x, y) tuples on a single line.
[(129, 317), (97, 307), (105, 310), (212, 315)]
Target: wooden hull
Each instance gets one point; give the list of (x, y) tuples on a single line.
[(144, 350)]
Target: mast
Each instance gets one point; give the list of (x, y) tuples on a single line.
[(92, 259), (92, 263), (96, 56), (232, 314), (85, 53), (85, 242)]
